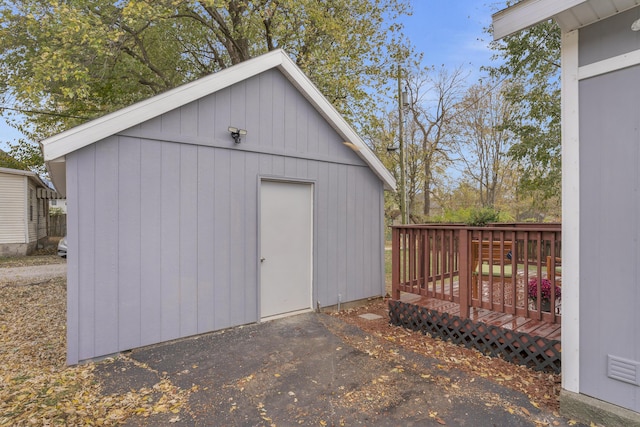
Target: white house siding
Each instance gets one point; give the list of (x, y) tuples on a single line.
[(12, 208), (148, 269), (37, 221), (610, 213)]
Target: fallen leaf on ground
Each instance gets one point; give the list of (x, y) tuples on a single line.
[(37, 386), (540, 387)]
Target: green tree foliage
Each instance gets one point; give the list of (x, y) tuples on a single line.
[(29, 156), (7, 161), (75, 60), (473, 216), (532, 63)]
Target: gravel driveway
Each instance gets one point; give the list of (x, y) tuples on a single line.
[(32, 274)]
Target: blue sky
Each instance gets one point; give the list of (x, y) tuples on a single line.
[(448, 32), (451, 33)]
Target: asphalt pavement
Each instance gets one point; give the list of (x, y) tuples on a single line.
[(314, 369)]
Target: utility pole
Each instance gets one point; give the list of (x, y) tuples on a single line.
[(403, 195)]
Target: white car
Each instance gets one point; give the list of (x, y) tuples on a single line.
[(62, 247)]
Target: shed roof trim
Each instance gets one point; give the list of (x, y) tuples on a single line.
[(527, 13), (569, 14), (57, 146)]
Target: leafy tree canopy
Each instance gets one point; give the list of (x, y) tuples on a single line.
[(75, 60), (532, 63), (7, 161)]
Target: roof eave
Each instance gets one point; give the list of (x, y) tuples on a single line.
[(528, 13)]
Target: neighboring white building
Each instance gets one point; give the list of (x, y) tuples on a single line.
[(600, 201), (24, 211)]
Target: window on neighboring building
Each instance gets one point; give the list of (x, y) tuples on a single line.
[(30, 204)]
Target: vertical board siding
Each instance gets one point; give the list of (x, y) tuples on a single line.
[(151, 242), (206, 239), (609, 222), (222, 242), (170, 242), (106, 246), (187, 251), (608, 38), (189, 119), (277, 107), (168, 231), (238, 106), (238, 252), (250, 253), (301, 116), (206, 117), (222, 118), (332, 249), (343, 239), (81, 230), (266, 112), (73, 291), (351, 286), (129, 242), (252, 104), (321, 211)]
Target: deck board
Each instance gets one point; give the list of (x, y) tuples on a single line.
[(506, 321)]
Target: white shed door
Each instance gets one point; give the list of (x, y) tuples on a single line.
[(286, 234)]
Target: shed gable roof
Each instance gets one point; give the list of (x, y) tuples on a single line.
[(569, 14), (57, 146)]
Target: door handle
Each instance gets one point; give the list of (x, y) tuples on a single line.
[(262, 259)]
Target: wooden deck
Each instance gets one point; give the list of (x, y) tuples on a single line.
[(551, 331), (520, 340), (481, 287)]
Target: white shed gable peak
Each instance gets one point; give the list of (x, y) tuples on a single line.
[(58, 146), (569, 14)]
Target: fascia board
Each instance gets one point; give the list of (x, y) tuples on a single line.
[(17, 172), (526, 14)]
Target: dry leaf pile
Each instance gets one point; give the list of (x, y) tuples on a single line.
[(543, 389), (25, 261), (37, 388)]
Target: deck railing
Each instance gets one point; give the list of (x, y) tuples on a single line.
[(499, 267)]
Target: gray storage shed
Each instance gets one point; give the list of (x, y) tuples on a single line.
[(177, 225), (600, 201)]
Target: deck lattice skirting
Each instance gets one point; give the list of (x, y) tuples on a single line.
[(520, 348)]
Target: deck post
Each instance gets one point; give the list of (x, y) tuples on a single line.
[(395, 263), (463, 271)]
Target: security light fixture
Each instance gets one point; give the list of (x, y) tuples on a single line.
[(635, 26), (236, 134)]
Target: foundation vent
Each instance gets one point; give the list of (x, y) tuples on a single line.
[(623, 370)]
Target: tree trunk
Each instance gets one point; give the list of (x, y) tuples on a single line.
[(427, 188)]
